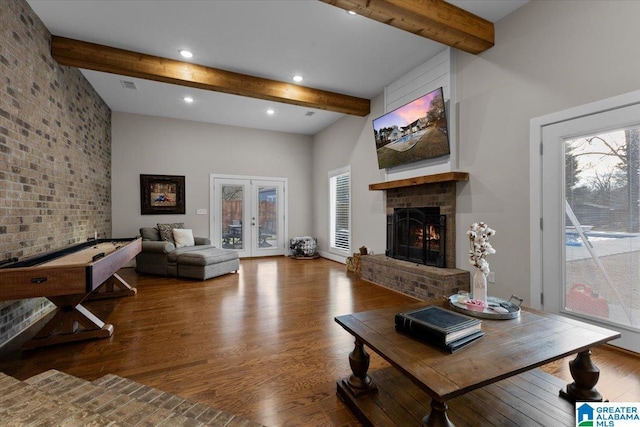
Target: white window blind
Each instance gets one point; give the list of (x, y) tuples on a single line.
[(340, 203)]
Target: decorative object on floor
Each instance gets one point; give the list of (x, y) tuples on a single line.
[(354, 264), (162, 194), (304, 247), (479, 234)]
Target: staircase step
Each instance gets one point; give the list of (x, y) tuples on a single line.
[(23, 404), (169, 401), (121, 408), (127, 402), (53, 381)]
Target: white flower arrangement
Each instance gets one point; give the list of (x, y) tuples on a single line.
[(479, 234)]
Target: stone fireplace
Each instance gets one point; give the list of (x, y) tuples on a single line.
[(427, 194)]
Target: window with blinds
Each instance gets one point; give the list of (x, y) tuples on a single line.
[(340, 214)]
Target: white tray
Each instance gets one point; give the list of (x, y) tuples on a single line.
[(487, 313)]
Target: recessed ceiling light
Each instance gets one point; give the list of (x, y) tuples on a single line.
[(351, 12), (188, 99), (186, 53), (297, 78), (271, 111)]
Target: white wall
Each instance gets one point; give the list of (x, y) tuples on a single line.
[(549, 56), (438, 71), (160, 146), (350, 141)]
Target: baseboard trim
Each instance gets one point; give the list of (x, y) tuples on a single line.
[(333, 257)]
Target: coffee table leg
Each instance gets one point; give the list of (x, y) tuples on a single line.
[(359, 382), (438, 416), (585, 377)]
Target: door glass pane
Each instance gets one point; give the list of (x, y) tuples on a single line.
[(232, 214), (267, 216), (602, 225)]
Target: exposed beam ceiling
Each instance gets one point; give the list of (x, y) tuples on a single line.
[(434, 19), (97, 57)]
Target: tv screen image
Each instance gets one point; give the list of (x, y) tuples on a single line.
[(416, 131)]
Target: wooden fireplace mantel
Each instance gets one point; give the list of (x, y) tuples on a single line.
[(420, 180)]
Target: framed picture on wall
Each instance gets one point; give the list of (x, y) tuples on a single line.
[(162, 194)]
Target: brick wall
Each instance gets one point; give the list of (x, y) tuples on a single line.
[(419, 281), (55, 154)]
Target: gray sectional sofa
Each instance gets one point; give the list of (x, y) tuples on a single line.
[(201, 261)]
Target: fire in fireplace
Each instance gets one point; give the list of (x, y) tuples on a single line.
[(417, 235)]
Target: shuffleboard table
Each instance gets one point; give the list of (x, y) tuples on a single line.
[(67, 277)]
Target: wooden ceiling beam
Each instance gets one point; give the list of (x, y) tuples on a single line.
[(434, 19), (107, 59)]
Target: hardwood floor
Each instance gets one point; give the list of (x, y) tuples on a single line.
[(261, 343)]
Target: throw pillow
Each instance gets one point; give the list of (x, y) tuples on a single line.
[(166, 230), (183, 237)]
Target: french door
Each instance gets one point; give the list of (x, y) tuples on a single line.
[(590, 219), (248, 214)]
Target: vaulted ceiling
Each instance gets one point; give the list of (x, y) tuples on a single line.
[(247, 51)]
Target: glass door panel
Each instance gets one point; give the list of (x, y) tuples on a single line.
[(268, 202), (602, 243), (232, 216)]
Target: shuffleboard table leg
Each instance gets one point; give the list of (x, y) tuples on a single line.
[(585, 377), (71, 322), (114, 287)]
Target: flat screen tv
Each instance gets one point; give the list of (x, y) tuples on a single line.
[(416, 131)]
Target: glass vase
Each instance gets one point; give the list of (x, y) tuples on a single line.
[(479, 286)]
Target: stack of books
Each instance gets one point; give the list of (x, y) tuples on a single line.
[(444, 328)]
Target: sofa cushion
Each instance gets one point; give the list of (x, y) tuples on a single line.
[(183, 237), (172, 256), (166, 230), (150, 233), (157, 246), (207, 257)]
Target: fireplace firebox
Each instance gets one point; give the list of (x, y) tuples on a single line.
[(417, 235)]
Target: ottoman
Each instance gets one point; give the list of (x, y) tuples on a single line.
[(207, 263)]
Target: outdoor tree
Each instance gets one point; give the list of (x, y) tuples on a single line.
[(614, 178), (436, 115)]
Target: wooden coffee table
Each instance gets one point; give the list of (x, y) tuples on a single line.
[(508, 348)]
